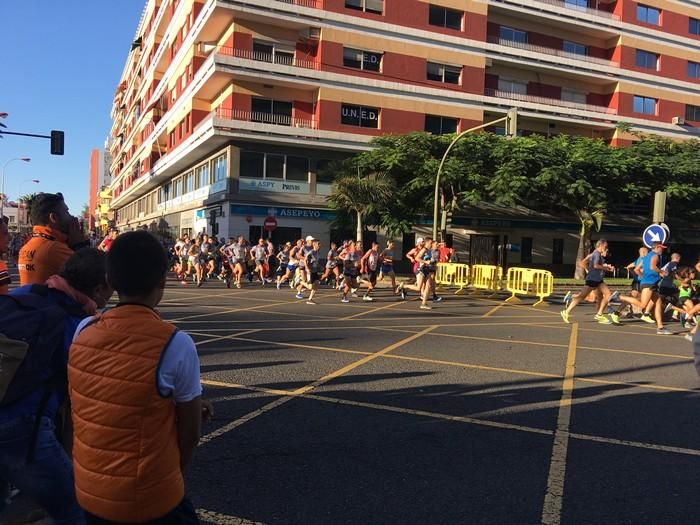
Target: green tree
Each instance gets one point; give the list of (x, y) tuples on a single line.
[(360, 195)]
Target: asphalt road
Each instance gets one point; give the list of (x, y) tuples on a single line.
[(475, 412)]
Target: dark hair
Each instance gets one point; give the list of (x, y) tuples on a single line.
[(131, 248), (86, 269), (42, 205)]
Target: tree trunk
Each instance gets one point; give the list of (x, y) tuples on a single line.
[(359, 228), (584, 243)]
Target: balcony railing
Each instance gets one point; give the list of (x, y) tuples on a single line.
[(264, 118), (568, 5), (494, 39), (285, 60), (490, 92), (315, 4)]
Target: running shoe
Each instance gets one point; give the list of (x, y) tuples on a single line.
[(426, 307), (565, 316), (437, 298), (615, 297), (602, 319), (688, 337), (238, 285), (183, 282), (664, 331), (345, 300), (353, 294), (615, 318), (683, 318), (228, 283), (299, 296), (278, 285), (367, 298), (310, 301), (218, 276), (567, 299), (647, 318), (668, 308), (199, 284)]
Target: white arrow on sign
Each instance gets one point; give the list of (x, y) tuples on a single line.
[(655, 237)]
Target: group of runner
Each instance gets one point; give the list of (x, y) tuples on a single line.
[(301, 265), (658, 289)]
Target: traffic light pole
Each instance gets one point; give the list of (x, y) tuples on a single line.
[(510, 120), (56, 139)]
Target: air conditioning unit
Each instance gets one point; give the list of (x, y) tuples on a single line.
[(678, 121), (311, 33)]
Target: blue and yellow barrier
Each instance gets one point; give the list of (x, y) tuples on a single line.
[(528, 281)]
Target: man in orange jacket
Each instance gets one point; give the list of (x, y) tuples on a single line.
[(55, 236)]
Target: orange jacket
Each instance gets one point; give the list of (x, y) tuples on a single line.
[(43, 255), (125, 449)]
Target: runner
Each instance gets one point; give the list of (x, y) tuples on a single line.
[(636, 286), (351, 268), (412, 256), (426, 260), (194, 261), (207, 256), (650, 274), (387, 265), (370, 266), (312, 264), (259, 254), (293, 264), (238, 259), (269, 254), (4, 244), (332, 265), (596, 267), (283, 261)]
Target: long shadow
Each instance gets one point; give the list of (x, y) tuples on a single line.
[(244, 366)]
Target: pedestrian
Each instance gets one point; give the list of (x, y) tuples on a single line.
[(108, 240), (55, 235), (31, 457), (135, 391)]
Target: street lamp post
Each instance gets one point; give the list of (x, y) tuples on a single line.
[(21, 185), (2, 181)]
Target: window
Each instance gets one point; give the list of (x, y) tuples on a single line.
[(570, 95), (512, 86), (513, 35), (645, 105), (252, 164), (297, 168), (323, 173), (692, 113), (694, 26), (443, 73), (649, 15), (365, 60), (271, 111), (189, 182), (646, 59), (694, 70), (438, 125), (444, 17), (177, 187), (274, 166), (557, 251), (576, 4), (220, 168), (202, 176), (368, 6), (526, 250), (575, 48), (362, 116), (272, 52)]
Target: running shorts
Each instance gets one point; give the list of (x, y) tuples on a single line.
[(636, 285), (312, 277), (372, 276), (292, 267), (331, 264), (594, 284), (653, 287), (386, 268), (670, 295)]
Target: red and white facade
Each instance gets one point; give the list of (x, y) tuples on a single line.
[(236, 105)]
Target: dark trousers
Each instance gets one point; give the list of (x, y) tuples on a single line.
[(183, 514)]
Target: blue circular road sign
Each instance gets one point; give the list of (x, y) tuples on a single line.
[(655, 233)]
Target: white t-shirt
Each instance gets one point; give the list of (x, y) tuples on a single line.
[(179, 373)]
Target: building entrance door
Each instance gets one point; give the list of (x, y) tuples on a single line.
[(483, 249)]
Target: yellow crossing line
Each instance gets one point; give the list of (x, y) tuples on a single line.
[(370, 311)]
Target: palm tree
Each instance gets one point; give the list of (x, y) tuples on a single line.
[(361, 195)]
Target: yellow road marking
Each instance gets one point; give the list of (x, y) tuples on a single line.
[(208, 516), (370, 311), (493, 310), (554, 497), (423, 317), (271, 391), (222, 337), (662, 388)]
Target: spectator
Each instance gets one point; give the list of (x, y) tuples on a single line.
[(106, 243), (56, 234), (31, 458), (4, 245), (136, 398)]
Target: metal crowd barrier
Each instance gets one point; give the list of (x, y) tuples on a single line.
[(452, 274), (528, 281), (486, 277)]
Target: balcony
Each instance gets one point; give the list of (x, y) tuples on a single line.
[(490, 92), (264, 118), (533, 4), (314, 4), (495, 39), (285, 60)]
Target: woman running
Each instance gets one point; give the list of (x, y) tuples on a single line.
[(351, 268), (412, 256), (283, 260), (312, 265), (194, 262), (293, 264), (369, 265), (387, 264), (332, 265), (238, 260), (259, 254), (426, 261)]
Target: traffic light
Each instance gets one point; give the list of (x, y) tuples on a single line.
[(56, 142), (512, 123)]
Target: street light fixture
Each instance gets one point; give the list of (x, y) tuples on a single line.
[(2, 181), (21, 185)]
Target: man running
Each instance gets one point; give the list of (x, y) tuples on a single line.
[(597, 267), (312, 266)]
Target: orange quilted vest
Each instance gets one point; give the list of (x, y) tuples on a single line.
[(125, 449)]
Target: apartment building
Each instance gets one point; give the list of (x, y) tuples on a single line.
[(228, 111), (98, 198)]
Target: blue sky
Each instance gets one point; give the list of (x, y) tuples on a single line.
[(60, 66)]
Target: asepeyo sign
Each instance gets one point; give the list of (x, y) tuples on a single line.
[(278, 186)]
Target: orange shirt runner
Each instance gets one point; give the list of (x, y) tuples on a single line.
[(43, 255)]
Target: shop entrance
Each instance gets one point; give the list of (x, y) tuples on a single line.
[(279, 235)]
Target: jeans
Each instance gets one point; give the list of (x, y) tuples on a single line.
[(48, 480), (183, 514)]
